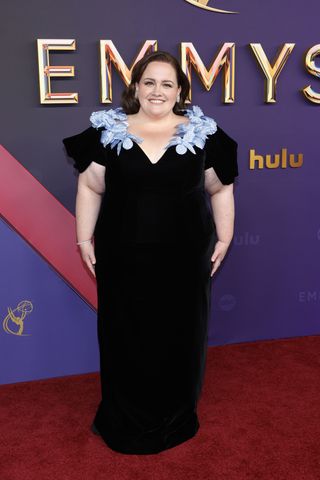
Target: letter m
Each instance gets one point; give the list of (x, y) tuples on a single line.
[(225, 59), (109, 55)]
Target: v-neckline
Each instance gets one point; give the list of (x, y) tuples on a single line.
[(147, 157), (165, 148)]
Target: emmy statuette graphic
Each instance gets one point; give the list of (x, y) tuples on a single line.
[(204, 4)]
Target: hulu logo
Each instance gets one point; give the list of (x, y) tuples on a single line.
[(279, 160)]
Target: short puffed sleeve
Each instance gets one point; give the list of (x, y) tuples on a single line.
[(85, 147), (221, 154)]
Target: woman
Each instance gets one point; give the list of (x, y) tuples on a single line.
[(144, 170)]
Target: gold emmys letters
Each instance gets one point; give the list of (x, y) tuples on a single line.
[(223, 60)]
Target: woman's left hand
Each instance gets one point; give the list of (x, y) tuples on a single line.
[(218, 255)]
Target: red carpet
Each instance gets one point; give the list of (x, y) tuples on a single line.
[(259, 419)]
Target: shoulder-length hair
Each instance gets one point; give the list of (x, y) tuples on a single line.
[(130, 104)]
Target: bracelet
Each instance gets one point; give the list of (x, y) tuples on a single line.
[(84, 241)]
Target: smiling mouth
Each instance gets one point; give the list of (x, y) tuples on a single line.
[(156, 101)]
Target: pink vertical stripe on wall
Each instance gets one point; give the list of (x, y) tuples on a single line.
[(44, 223)]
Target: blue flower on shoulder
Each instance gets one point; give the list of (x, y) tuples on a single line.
[(193, 133), (115, 130)]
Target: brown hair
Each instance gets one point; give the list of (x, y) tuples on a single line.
[(130, 104)]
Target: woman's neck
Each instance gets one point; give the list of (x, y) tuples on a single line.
[(143, 117)]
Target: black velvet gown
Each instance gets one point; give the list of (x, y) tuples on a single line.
[(154, 238)]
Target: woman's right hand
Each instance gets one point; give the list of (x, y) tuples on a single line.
[(88, 256)]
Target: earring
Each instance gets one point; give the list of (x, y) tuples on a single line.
[(136, 93), (178, 98)]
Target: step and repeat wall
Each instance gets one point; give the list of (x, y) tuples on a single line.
[(254, 67)]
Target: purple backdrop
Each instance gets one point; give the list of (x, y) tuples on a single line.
[(268, 286)]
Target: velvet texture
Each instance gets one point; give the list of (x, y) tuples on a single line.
[(154, 238)]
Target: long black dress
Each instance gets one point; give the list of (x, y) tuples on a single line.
[(154, 238)]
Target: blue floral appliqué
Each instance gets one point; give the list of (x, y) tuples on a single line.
[(193, 133), (115, 130), (188, 135)]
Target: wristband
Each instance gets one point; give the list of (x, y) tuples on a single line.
[(84, 241)]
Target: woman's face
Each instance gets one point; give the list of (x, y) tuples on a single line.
[(158, 89)]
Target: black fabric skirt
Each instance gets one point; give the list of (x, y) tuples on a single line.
[(153, 309)]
